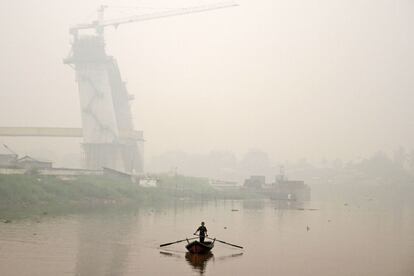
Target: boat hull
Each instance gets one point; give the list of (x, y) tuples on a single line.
[(197, 247)]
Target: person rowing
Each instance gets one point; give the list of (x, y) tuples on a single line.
[(202, 230)]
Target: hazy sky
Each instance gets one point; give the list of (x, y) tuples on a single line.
[(322, 78)]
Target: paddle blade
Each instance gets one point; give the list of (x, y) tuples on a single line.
[(165, 244), (238, 246), (169, 243)]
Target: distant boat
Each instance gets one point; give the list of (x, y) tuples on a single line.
[(197, 247)]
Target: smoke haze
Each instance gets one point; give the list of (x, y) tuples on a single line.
[(316, 79)]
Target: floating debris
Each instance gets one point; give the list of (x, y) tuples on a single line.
[(235, 210), (307, 228)]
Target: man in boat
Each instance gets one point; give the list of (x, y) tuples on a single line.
[(203, 231)]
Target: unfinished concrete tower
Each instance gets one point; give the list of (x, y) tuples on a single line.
[(109, 139)]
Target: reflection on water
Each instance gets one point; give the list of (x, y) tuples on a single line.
[(278, 204), (229, 256), (198, 261), (288, 204), (253, 205), (103, 244)]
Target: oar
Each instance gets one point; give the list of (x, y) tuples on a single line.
[(238, 246), (169, 243)]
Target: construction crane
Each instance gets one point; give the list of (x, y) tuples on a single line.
[(109, 138), (10, 150), (100, 24)]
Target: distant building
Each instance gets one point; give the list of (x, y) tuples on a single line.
[(8, 157), (290, 190), (28, 162), (224, 185), (148, 182), (255, 182), (8, 160), (281, 189), (285, 189)]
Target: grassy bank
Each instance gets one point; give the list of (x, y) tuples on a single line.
[(28, 195)]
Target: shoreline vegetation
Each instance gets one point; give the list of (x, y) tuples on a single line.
[(36, 196), (25, 196)]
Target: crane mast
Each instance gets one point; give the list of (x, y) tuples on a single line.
[(109, 138)]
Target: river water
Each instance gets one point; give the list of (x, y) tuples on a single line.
[(279, 238)]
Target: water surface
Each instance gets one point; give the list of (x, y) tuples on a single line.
[(280, 238)]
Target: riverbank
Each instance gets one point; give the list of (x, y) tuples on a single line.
[(24, 196)]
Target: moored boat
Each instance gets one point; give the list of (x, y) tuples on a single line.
[(197, 247)]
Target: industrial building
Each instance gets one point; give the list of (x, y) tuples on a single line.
[(7, 159), (255, 182), (281, 189)]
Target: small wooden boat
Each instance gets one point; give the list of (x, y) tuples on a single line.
[(197, 247)]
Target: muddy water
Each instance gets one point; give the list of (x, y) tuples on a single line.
[(279, 239)]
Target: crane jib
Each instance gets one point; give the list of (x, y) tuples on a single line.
[(100, 23)]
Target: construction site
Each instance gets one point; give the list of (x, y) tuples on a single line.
[(109, 138)]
